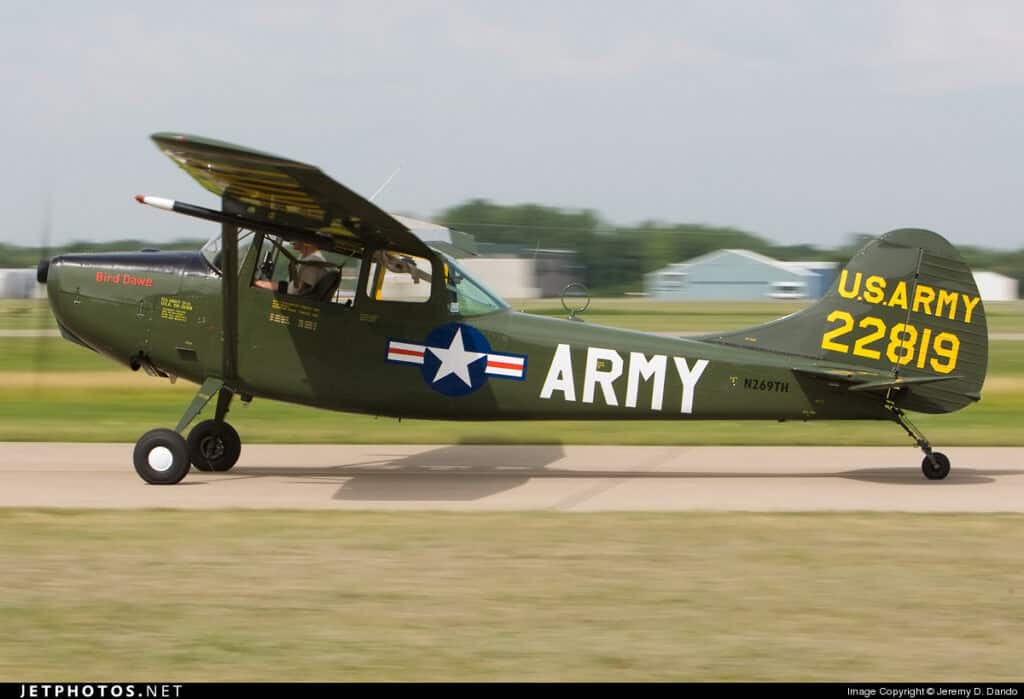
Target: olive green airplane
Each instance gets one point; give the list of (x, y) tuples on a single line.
[(312, 294)]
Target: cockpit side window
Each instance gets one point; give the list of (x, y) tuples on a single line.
[(306, 272), (396, 276), (213, 254)]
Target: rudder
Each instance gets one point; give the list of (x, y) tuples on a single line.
[(906, 305)]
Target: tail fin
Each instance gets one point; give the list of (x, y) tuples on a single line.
[(905, 313)]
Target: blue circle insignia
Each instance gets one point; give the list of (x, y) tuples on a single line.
[(455, 360)]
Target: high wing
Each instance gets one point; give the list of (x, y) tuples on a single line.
[(275, 190)]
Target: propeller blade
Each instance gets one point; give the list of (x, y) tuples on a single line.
[(42, 323)]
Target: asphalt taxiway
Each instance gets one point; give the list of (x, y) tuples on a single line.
[(546, 477)]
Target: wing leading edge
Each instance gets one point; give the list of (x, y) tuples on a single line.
[(271, 189)]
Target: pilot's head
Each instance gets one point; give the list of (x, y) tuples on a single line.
[(304, 248)]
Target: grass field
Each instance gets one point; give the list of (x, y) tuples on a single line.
[(690, 316), (296, 596), (18, 314), (77, 395), (534, 596), (51, 389), (632, 313), (118, 412), (54, 354)]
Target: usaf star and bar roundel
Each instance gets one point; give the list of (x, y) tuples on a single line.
[(456, 359)]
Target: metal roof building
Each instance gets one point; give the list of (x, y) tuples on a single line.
[(20, 283), (739, 275), (996, 287)]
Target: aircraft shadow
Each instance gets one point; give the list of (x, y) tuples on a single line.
[(467, 472), (913, 476), (451, 473)]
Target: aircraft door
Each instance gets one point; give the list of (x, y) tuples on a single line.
[(400, 300), (296, 319)]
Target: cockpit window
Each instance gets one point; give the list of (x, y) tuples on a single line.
[(397, 276), (472, 297), (214, 255), (302, 270)]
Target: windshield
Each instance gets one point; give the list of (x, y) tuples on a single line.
[(213, 253), (473, 298)]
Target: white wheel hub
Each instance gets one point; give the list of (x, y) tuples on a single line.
[(160, 459)]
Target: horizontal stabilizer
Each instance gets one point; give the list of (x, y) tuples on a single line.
[(855, 379), (900, 382)]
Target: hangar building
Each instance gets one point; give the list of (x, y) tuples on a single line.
[(740, 275)]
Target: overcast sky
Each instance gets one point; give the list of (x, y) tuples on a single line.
[(799, 121)]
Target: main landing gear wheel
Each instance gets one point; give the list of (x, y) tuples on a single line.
[(161, 457), (214, 446), (939, 469)]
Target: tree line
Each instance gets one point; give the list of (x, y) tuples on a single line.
[(612, 259), (616, 258)]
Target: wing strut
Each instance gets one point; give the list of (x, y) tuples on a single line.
[(229, 295)]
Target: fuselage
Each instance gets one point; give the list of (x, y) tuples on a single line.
[(429, 359)]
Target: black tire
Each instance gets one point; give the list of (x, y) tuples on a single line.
[(214, 446), (161, 457), (938, 470)]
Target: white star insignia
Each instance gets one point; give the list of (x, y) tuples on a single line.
[(455, 359)]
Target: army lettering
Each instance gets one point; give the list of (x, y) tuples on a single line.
[(124, 279), (603, 367), (903, 344), (928, 300), (642, 369)]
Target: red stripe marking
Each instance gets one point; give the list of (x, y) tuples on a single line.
[(411, 353), (503, 365)]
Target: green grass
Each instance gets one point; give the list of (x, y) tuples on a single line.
[(124, 413), (700, 316), (632, 313), (54, 354), (25, 314), (1005, 316), (308, 596), (119, 409), (124, 406), (668, 316), (1005, 358), (31, 354)]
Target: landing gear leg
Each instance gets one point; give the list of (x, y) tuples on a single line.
[(935, 465), (214, 445)]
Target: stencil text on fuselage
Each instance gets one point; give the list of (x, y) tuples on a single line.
[(603, 367)]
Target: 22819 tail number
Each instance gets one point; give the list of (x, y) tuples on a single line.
[(903, 343)]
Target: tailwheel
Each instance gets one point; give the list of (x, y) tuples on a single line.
[(161, 457), (935, 466), (214, 446)]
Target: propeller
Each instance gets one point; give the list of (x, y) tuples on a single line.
[(42, 325)]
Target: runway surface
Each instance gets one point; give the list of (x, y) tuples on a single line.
[(561, 478)]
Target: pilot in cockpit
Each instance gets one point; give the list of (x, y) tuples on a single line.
[(304, 274)]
